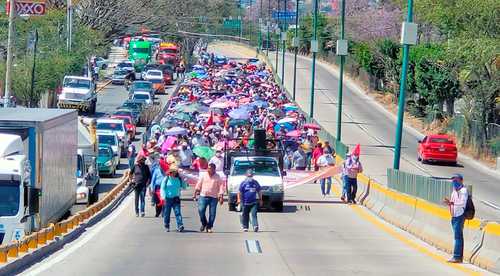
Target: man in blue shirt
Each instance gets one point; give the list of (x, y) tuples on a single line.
[(250, 191)]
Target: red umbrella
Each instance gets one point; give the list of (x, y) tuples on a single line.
[(294, 133), (312, 126)]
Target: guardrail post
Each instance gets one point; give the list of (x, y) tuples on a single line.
[(42, 237)]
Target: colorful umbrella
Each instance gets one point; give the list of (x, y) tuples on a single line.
[(182, 116), (287, 120), (294, 133), (239, 114), (203, 151), (312, 126), (236, 122), (175, 131)]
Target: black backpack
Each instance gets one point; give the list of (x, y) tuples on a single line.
[(470, 210)]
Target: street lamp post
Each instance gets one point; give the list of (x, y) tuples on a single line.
[(10, 52), (314, 49), (342, 52), (408, 37), (268, 26), (35, 43), (296, 48), (260, 26), (283, 38), (277, 41)]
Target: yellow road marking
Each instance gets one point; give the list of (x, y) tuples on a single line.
[(371, 218), (99, 89)]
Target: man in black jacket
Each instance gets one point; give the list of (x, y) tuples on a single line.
[(140, 176)]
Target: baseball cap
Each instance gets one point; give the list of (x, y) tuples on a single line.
[(457, 176)]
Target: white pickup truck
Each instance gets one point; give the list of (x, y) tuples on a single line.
[(78, 93), (266, 171)]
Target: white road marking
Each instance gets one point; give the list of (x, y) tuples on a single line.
[(491, 204), (253, 246), (72, 247)]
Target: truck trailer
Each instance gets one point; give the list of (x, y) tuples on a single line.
[(37, 169)]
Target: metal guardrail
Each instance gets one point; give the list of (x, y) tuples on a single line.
[(424, 187)]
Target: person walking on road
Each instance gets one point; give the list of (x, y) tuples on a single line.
[(156, 180), (250, 198), (210, 189), (171, 193), (352, 167), (131, 155), (140, 177), (299, 159), (457, 203), (324, 161)]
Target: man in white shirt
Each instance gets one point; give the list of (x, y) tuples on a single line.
[(324, 161), (218, 161), (457, 204)]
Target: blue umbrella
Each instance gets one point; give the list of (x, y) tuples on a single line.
[(286, 126), (239, 114), (260, 104)]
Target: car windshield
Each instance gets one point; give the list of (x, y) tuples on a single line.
[(120, 72), (154, 73), (110, 126), (141, 50), (125, 120), (141, 85), (123, 113), (169, 51), (9, 198), (260, 167), (76, 83), (130, 105), (107, 139), (104, 152), (141, 96), (156, 81), (441, 141), (124, 65)]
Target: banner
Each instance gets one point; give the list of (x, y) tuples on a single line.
[(293, 178), (28, 7)]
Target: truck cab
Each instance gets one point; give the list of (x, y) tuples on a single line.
[(14, 190), (140, 53), (87, 176), (78, 93)]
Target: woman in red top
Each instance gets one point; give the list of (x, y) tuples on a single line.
[(317, 152), (199, 164)]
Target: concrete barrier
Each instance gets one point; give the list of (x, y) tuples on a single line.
[(375, 200), (363, 188), (488, 256), (399, 209)]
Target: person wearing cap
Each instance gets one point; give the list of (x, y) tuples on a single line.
[(170, 192), (350, 170), (457, 203), (140, 176), (249, 198), (210, 190), (186, 156)]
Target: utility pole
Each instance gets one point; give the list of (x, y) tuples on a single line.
[(314, 49), (277, 40), (296, 48), (283, 38), (408, 37), (268, 26), (35, 43), (241, 19), (260, 26), (342, 52), (69, 27), (10, 52)]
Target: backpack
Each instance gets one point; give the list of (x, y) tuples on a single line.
[(470, 210)]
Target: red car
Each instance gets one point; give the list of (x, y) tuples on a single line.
[(127, 120), (439, 148)]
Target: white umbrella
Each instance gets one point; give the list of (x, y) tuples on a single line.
[(287, 120), (175, 131)]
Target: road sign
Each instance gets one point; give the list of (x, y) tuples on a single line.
[(284, 15), (232, 23), (28, 7)]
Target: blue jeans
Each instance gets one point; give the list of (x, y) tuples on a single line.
[(308, 160), (131, 162), (246, 211), (140, 195), (172, 203), (457, 223), (345, 184), (350, 188), (328, 182), (211, 203)]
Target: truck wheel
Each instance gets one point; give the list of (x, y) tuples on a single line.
[(232, 207), (278, 206)]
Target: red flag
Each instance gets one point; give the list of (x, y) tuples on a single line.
[(357, 150), (210, 120), (192, 98)]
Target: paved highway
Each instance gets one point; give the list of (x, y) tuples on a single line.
[(313, 236), (364, 121)]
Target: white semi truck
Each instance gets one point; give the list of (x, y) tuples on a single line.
[(78, 93), (37, 169)]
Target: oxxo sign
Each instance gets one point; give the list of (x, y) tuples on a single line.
[(28, 8)]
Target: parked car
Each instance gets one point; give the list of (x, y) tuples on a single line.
[(106, 161), (126, 112), (126, 65), (437, 148), (141, 86), (220, 60), (101, 63), (119, 76), (111, 139), (148, 67), (143, 97), (128, 121), (118, 127), (135, 107)]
